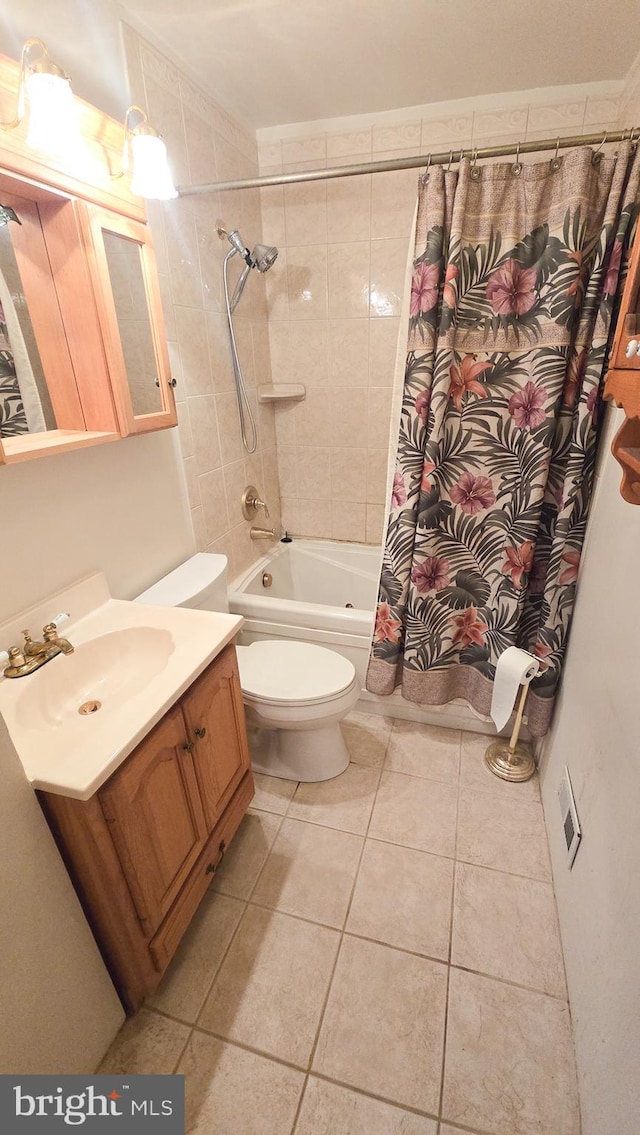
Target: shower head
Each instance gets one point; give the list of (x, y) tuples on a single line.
[(263, 256)]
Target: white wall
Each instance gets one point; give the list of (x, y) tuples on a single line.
[(83, 38), (58, 1008), (120, 508), (596, 733)]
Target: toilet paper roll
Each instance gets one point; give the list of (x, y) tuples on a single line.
[(515, 668)]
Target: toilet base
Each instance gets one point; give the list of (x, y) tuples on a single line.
[(298, 754)]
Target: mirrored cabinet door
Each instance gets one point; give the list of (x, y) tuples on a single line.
[(128, 295)]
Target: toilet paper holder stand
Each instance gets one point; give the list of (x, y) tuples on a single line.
[(511, 760)]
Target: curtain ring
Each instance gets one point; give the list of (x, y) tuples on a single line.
[(633, 141), (556, 161), (596, 156), (450, 160), (516, 168), (425, 176), (475, 168)]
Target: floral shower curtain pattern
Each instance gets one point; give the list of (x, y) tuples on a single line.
[(13, 420), (516, 273)]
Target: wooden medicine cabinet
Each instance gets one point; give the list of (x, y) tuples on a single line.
[(83, 356)]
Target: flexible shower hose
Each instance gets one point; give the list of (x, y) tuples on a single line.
[(244, 406)]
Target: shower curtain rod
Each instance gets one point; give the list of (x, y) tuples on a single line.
[(444, 157)]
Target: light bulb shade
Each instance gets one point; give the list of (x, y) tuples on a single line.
[(151, 177), (52, 112)]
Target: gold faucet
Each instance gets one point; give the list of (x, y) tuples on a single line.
[(24, 660)]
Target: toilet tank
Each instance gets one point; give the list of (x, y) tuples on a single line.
[(199, 582)]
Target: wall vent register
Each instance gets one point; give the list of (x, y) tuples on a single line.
[(570, 822)]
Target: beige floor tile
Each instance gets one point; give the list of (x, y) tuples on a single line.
[(146, 1043), (328, 1109), (415, 812), (270, 989), (507, 926), (245, 858), (186, 983), (233, 1092), (310, 872), (475, 774), (494, 831), (366, 736), (424, 750), (272, 793), (509, 1063), (384, 1024), (403, 898), (445, 1129), (344, 802)]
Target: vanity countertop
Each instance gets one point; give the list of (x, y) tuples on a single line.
[(136, 660)]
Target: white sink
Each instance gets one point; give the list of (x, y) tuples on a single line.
[(109, 669), (134, 659)]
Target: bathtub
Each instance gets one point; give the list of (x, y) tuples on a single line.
[(325, 592)]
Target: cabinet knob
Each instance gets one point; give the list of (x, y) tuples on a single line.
[(213, 867), (172, 381), (200, 732), (189, 747), (632, 348)]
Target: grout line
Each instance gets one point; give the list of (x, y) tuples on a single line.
[(513, 984), (342, 932), (373, 1096), (234, 1043), (451, 917), (300, 1102)]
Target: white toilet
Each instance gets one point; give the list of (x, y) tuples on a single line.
[(295, 693)]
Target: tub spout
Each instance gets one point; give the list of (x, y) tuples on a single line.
[(262, 533)]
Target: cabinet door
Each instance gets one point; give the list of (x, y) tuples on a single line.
[(214, 715), (154, 813), (128, 299)]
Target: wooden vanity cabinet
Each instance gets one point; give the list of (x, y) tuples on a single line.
[(144, 849)]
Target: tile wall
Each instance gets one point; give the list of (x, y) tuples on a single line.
[(205, 145), (334, 295)]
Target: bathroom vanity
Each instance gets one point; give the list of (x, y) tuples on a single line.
[(145, 847), (136, 745)]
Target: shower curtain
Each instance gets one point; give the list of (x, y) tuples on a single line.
[(13, 419), (516, 273), (21, 409)]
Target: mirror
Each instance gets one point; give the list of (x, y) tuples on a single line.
[(134, 323), (25, 405)]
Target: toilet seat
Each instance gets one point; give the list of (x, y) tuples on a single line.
[(310, 674)]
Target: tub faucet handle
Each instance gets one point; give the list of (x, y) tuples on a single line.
[(252, 503)]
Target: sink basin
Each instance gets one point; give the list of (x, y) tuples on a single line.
[(132, 662), (110, 669)]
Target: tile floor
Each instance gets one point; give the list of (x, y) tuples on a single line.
[(379, 955)]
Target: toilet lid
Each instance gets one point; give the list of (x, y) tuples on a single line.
[(289, 672)]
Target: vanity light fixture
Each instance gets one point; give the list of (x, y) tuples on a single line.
[(150, 173), (47, 90)]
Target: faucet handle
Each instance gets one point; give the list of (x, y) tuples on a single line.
[(252, 503), (51, 628)]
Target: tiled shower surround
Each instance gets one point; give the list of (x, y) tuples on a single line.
[(379, 954), (205, 145), (335, 293)]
